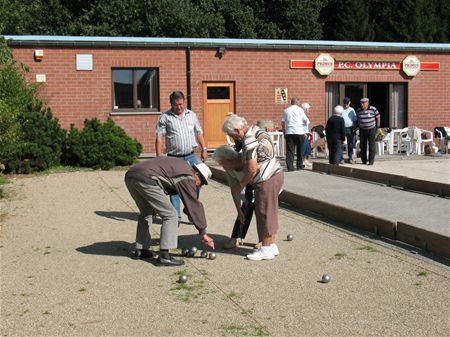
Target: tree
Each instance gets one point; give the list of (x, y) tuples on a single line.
[(348, 20)]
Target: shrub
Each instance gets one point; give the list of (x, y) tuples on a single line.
[(100, 145), (40, 146)]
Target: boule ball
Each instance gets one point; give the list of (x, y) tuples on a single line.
[(183, 279), (204, 254), (212, 256), (290, 237), (192, 251), (185, 251), (326, 278)]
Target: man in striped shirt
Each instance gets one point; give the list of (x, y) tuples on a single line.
[(182, 132), (368, 122)]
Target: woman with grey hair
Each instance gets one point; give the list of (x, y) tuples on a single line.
[(264, 172), (335, 132), (233, 164)]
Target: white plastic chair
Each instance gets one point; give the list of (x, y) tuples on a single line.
[(383, 145), (421, 142)]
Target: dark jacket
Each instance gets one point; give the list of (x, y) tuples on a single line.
[(335, 128)]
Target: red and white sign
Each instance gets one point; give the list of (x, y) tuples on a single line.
[(324, 64), (411, 65)]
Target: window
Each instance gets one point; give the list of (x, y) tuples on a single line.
[(135, 89), (218, 92)]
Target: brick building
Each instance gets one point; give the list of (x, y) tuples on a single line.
[(130, 79)]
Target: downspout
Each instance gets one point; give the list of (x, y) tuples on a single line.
[(188, 76)]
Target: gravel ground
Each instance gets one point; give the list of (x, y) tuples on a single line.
[(65, 271)]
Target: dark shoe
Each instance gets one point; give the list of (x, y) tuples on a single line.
[(170, 262), (370, 163), (140, 254)]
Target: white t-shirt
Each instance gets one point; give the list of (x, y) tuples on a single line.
[(294, 117), (349, 116)]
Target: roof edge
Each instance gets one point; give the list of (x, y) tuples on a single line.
[(101, 41)]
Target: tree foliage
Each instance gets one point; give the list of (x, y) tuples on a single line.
[(353, 20)]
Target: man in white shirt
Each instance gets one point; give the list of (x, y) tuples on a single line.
[(350, 118), (292, 123)]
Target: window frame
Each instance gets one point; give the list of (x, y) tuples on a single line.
[(135, 108)]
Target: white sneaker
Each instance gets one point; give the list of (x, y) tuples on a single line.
[(308, 163), (275, 250), (263, 253)]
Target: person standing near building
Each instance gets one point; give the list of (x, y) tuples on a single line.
[(149, 182), (292, 125), (368, 123), (308, 136), (335, 133), (182, 132), (350, 119)]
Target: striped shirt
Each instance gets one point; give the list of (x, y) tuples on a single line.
[(180, 133), (367, 118), (259, 146)]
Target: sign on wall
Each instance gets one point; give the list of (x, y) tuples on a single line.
[(411, 65), (281, 95), (324, 64), (84, 62)]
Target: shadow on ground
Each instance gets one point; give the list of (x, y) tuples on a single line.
[(122, 216)]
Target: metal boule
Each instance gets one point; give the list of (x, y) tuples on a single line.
[(326, 278), (290, 237), (212, 256), (185, 251), (183, 279), (204, 254)]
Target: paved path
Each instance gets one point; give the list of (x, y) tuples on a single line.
[(65, 271)]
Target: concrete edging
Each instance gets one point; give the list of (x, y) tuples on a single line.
[(440, 189)]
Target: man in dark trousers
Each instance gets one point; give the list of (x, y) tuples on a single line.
[(368, 123), (149, 183), (335, 132)]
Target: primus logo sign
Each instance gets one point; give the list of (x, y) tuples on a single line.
[(411, 65), (324, 64)]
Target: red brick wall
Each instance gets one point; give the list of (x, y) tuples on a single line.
[(76, 95)]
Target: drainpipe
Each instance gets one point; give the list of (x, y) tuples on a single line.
[(188, 76)]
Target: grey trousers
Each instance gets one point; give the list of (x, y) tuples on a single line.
[(148, 198)]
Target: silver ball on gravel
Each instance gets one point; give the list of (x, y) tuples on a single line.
[(185, 251), (212, 256), (192, 251), (326, 278), (204, 254), (183, 279), (290, 237)]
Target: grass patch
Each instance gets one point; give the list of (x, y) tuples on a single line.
[(339, 256), (46, 313), (236, 330), (3, 181), (423, 273), (418, 284), (189, 291), (233, 294), (82, 290), (233, 329), (260, 331), (367, 248)]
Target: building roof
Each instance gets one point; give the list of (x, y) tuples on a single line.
[(103, 41)]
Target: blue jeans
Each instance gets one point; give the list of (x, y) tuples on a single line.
[(350, 146), (175, 199)]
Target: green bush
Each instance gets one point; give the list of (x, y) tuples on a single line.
[(40, 146), (100, 145)]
